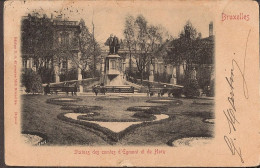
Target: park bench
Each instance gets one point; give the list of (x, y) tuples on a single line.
[(58, 89), (156, 90), (175, 91), (113, 89), (119, 89)]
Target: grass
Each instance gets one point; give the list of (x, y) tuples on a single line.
[(186, 120)]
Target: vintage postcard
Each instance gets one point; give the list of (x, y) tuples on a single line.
[(131, 83)]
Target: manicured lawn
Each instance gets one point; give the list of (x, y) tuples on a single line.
[(185, 120)]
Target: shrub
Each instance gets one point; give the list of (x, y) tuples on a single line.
[(32, 81), (176, 93), (212, 89), (143, 89), (138, 108), (70, 74), (47, 74), (156, 110), (143, 115), (191, 88), (74, 107), (88, 116), (86, 109)]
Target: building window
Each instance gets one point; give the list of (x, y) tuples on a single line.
[(24, 63), (64, 39)]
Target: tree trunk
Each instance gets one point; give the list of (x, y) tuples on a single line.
[(94, 48), (142, 76), (130, 63)]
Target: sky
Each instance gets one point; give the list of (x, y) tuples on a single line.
[(109, 17)]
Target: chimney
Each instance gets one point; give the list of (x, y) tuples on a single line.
[(211, 29)]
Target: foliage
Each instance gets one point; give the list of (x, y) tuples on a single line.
[(164, 77), (156, 110), (90, 49), (37, 39), (191, 88), (143, 115), (46, 74), (142, 40), (70, 74), (186, 50), (38, 43), (32, 81), (212, 89), (189, 31)]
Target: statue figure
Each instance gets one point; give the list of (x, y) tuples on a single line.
[(113, 43), (109, 43), (116, 44)]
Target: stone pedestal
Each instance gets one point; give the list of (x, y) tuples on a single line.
[(80, 88), (79, 74), (173, 81), (56, 70), (174, 74), (79, 70), (151, 76), (113, 71)]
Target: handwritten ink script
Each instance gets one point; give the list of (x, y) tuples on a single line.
[(230, 112)]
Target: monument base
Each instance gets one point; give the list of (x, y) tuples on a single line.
[(114, 80), (173, 81), (151, 78)]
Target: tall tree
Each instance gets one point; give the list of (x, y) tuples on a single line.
[(90, 50), (142, 40), (189, 31), (184, 50), (141, 45), (129, 34), (37, 39)]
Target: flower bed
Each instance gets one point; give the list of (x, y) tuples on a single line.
[(165, 101), (156, 110), (203, 114), (63, 101), (34, 138), (202, 103), (108, 135), (143, 115), (111, 98), (138, 108), (192, 141), (87, 109)]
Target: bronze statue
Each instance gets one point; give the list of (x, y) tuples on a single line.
[(113, 43)]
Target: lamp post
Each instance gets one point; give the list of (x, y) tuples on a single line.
[(102, 70), (165, 73)]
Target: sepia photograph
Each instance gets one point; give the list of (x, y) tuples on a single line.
[(139, 81), (131, 83)]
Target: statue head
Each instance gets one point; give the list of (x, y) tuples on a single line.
[(111, 35)]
